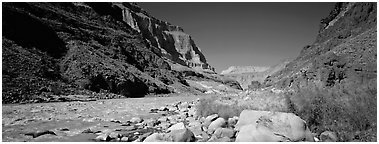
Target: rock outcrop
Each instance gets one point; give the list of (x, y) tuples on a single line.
[(170, 40)]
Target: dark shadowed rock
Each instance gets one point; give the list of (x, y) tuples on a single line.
[(40, 133)]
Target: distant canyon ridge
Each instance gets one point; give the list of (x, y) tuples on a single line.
[(252, 76)]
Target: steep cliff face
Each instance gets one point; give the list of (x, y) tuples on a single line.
[(170, 40), (53, 49)]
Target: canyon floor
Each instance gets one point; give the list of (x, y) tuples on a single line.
[(67, 121)]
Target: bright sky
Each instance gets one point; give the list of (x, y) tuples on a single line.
[(244, 34)]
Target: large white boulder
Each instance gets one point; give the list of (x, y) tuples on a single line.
[(271, 126)]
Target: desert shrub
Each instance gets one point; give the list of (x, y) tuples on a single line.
[(229, 106), (56, 89), (345, 110), (212, 105), (254, 85)]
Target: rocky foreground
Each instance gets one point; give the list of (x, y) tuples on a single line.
[(148, 120)]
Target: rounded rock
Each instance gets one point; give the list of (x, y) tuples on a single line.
[(218, 123), (136, 120), (328, 136), (177, 126)]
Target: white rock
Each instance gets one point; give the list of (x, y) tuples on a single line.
[(218, 123), (267, 123), (177, 126)]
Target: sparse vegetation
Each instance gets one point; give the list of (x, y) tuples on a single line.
[(229, 106), (208, 106), (349, 112)]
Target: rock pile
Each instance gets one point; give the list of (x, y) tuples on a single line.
[(179, 123)]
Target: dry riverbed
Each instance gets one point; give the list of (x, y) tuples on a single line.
[(79, 121)]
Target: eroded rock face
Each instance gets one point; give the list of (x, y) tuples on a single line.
[(343, 54), (171, 40), (89, 48)]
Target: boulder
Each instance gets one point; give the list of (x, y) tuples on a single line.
[(163, 108), (172, 108), (183, 115), (271, 126), (151, 122), (103, 137), (328, 136), (209, 119), (203, 137), (155, 137), (177, 126), (136, 120), (192, 112), (232, 121), (174, 121), (124, 139), (202, 119), (183, 105), (224, 132), (173, 118), (218, 123), (164, 125), (163, 119), (145, 135), (223, 139), (182, 135), (194, 123), (114, 135), (196, 130), (257, 133), (191, 120)]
